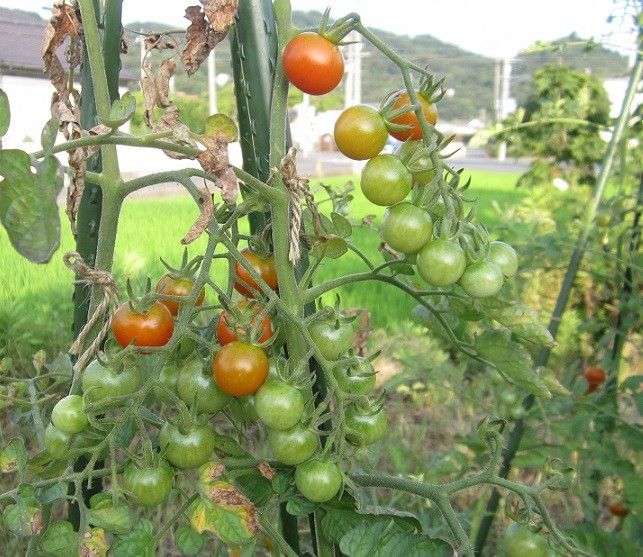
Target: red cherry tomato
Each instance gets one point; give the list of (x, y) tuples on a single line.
[(595, 377), (409, 118), (245, 284), (618, 509), (152, 328), (313, 64), (229, 329)]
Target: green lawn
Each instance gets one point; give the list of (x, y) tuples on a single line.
[(35, 300)]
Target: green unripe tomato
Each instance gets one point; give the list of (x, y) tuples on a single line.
[(100, 382), (68, 415), (422, 167), (482, 279), (149, 485), (293, 446), (57, 442), (318, 480), (168, 377), (504, 256), (332, 337), (278, 404), (406, 227), (359, 380), (519, 541), (195, 386), (385, 180), (441, 262), (367, 427), (187, 449)]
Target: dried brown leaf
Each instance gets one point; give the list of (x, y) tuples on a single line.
[(166, 71), (220, 14), (58, 77), (64, 23), (180, 132), (266, 471), (204, 219), (214, 160), (200, 39), (124, 45), (229, 185), (148, 88), (159, 41)]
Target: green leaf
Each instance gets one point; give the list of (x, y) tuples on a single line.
[(336, 523), (48, 134), (137, 543), (28, 208), (227, 446), (522, 321), (5, 113), (14, 456), (59, 540), (552, 382), (256, 487), (122, 110), (299, 506), (227, 513), (216, 124), (23, 518), (512, 359), (342, 225), (117, 519), (384, 538), (402, 268), (53, 493), (332, 247), (188, 542), (633, 484), (422, 316)]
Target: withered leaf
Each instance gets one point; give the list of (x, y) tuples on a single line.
[(64, 23), (220, 14), (166, 71), (199, 37), (204, 219), (180, 132), (159, 41), (148, 88), (214, 160)]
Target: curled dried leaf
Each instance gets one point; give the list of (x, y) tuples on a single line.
[(148, 88), (220, 14), (64, 23), (266, 471), (180, 132), (199, 37), (204, 219), (214, 160), (159, 41), (166, 71)]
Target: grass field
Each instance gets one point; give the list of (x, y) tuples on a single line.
[(35, 300)]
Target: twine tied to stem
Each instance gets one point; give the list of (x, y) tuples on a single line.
[(105, 281), (298, 188)]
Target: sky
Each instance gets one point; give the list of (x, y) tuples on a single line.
[(494, 28)]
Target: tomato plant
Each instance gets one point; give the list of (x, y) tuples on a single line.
[(333, 337), (441, 262), (399, 100), (101, 382), (318, 480), (413, 154), (148, 485), (148, 328), (313, 64), (238, 327), (595, 377), (197, 389), (294, 445), (519, 541), (278, 404), (188, 447), (367, 426), (265, 268), (406, 228), (176, 286), (69, 415), (504, 256), (482, 279)]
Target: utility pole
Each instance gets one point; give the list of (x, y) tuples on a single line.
[(212, 84), (496, 91), (504, 103), (353, 78)]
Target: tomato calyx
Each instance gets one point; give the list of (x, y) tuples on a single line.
[(247, 321), (336, 32)]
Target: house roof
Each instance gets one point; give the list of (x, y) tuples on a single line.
[(21, 37)]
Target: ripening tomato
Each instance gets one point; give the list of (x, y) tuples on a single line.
[(69, 415), (174, 286), (441, 262), (278, 404), (148, 485), (318, 480), (399, 100), (229, 329), (360, 132), (482, 279), (313, 64), (151, 328), (595, 377), (239, 368), (406, 227), (265, 268), (385, 180), (100, 382), (505, 257)]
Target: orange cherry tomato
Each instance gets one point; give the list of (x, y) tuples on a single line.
[(152, 328), (313, 64), (239, 369), (228, 330), (245, 284), (171, 286), (409, 118), (618, 509)]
